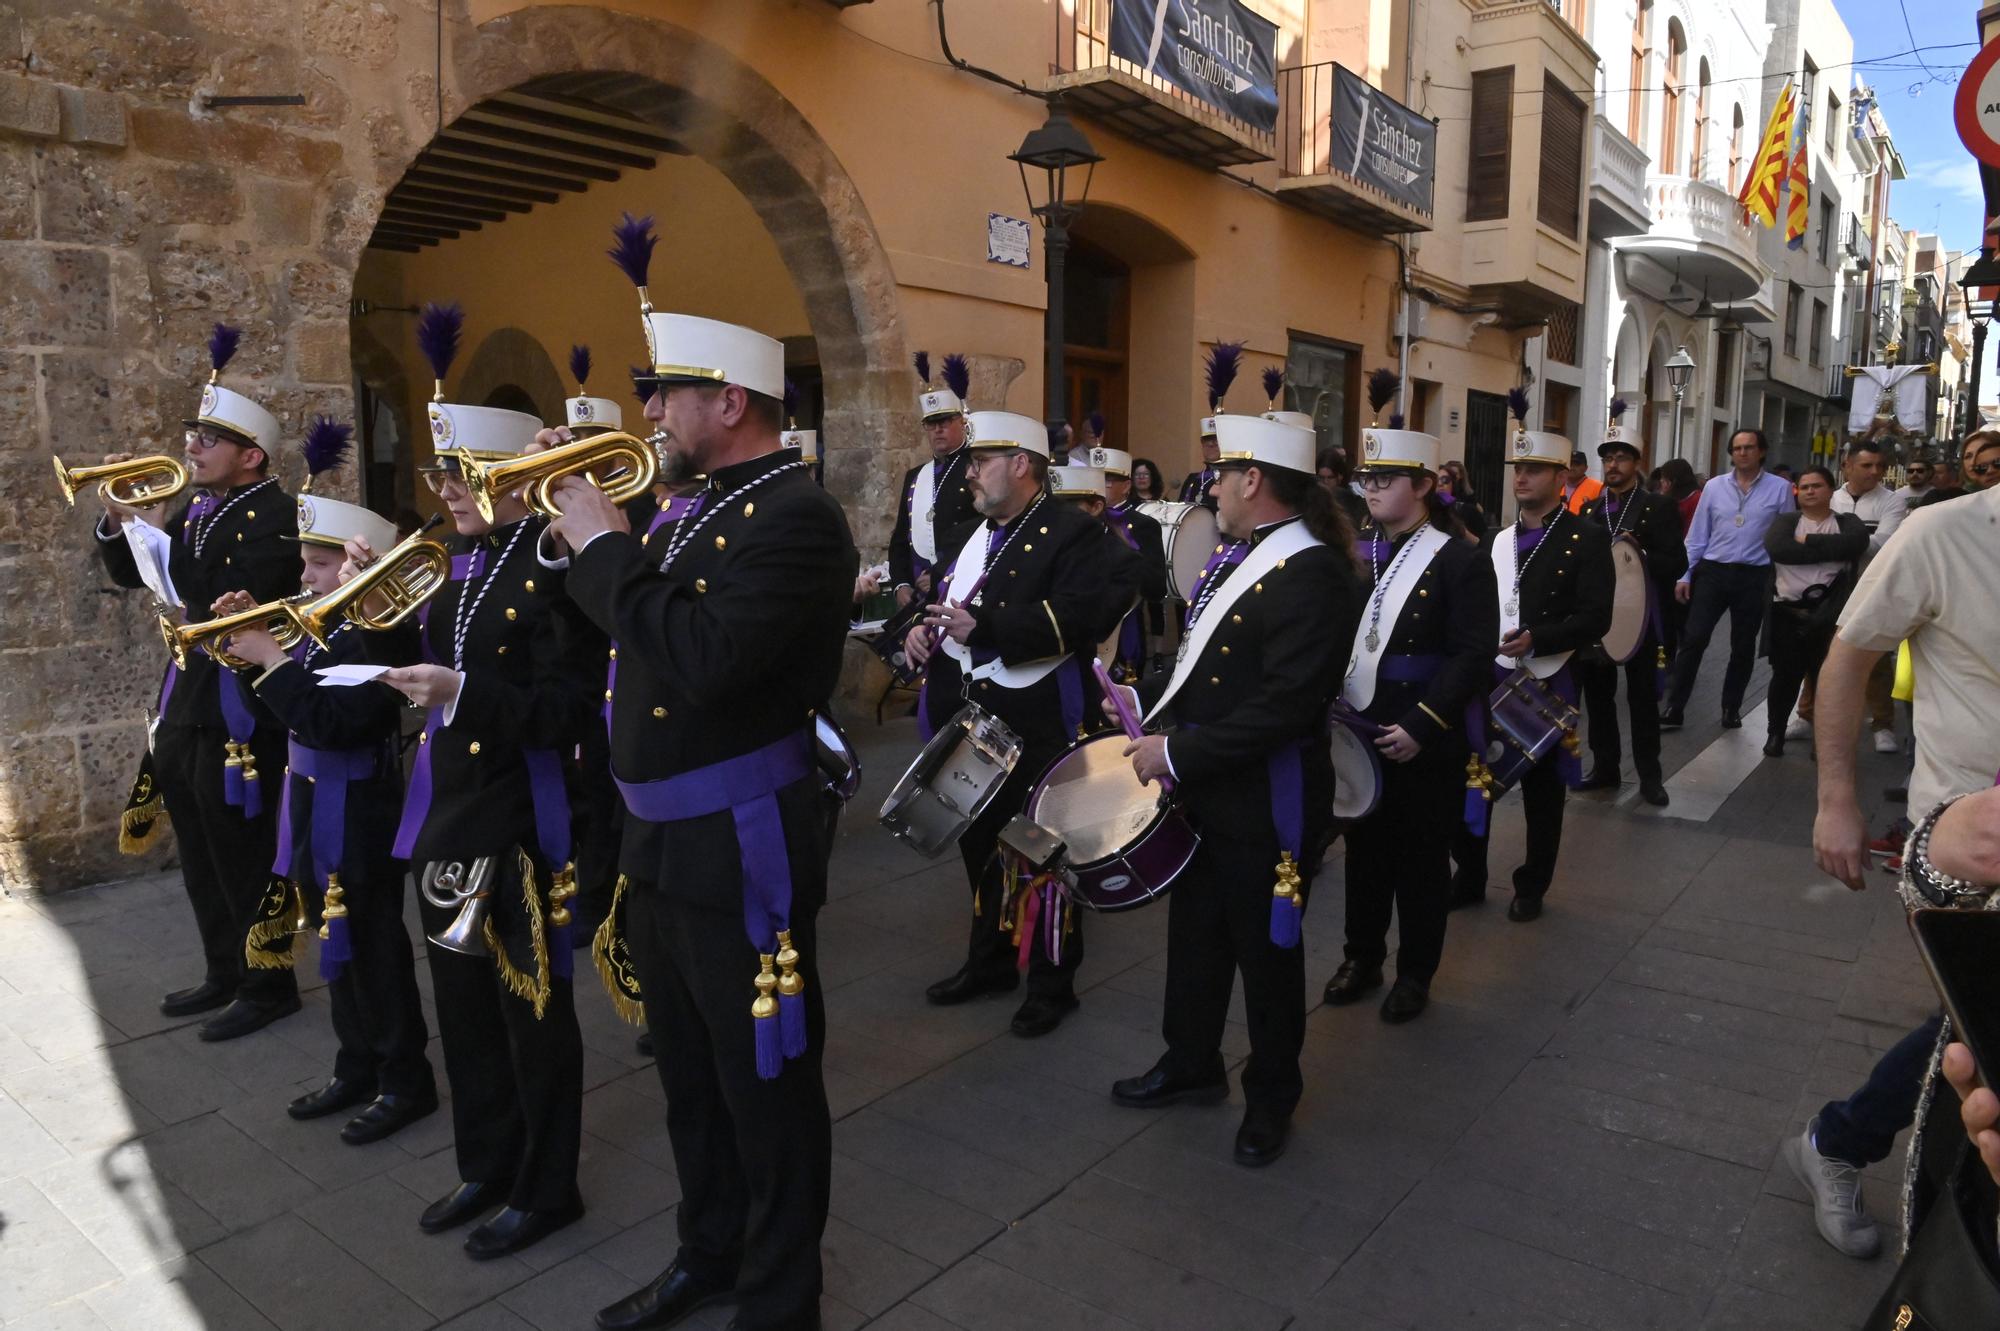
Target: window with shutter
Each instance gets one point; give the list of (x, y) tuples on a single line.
[(1561, 201), (1492, 139)]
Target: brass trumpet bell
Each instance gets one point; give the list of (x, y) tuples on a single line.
[(280, 619), (535, 475), (385, 593), (471, 890), (136, 482)]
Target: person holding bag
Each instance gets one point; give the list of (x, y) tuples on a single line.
[(1815, 553)]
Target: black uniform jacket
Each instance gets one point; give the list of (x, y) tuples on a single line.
[(1152, 550), (1656, 522), (954, 506), (1196, 486), (252, 547), (1263, 680), (735, 647), (1566, 589), (1452, 612), (533, 679), (1062, 583)]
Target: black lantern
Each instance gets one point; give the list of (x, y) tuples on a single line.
[(1052, 151), (1984, 272)]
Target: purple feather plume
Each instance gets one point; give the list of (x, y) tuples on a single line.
[(1095, 422), (922, 360), (791, 398), (1517, 402), (579, 364), (327, 444), (1617, 408), (1395, 420), (222, 344), (632, 242), (1382, 385), (1274, 382), (642, 382), (1224, 360), (438, 327), (957, 375)]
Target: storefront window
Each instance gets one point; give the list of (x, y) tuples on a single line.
[(1320, 379)]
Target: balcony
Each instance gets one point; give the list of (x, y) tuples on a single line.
[(1617, 184), (1311, 177), (1698, 230), (1839, 386), (1140, 104)]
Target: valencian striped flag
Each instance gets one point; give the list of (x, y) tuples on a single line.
[(1766, 177), (1799, 194)]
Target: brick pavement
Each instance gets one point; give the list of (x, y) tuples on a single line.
[(1582, 1131)]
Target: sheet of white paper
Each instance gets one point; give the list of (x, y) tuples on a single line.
[(344, 676), (151, 550)]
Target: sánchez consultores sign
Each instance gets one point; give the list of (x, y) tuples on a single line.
[(1219, 51)]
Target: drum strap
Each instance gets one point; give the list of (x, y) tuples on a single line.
[(1408, 567), (1504, 554), (1283, 543)]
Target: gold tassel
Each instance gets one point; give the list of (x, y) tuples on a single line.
[(791, 984), (335, 907), (765, 1007), (1662, 661), (139, 825), (561, 889), (614, 966), (1287, 884), (531, 990)]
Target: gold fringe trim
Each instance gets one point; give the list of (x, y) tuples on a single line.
[(275, 922), (139, 826), (616, 975), (533, 991)]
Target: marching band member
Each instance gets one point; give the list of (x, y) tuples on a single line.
[(1147, 622), (508, 683), (1224, 360), (935, 497), (1245, 711), (1553, 576), (1626, 507), (1084, 487), (1034, 586), (343, 788), (1419, 655), (218, 753), (730, 624)]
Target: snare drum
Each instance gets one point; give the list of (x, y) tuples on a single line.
[(1190, 534), (1125, 842), (1525, 719), (839, 764), (1357, 766), (1631, 602), (952, 781)]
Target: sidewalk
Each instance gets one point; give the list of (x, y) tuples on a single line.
[(1581, 1132)]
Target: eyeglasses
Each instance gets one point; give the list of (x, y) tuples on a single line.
[(1984, 468), (441, 479), (204, 441), (1381, 480)]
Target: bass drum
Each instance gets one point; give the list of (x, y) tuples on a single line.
[(1631, 602), (1125, 842), (1191, 536)]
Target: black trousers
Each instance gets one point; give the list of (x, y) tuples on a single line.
[(1798, 647), (755, 1157), (1542, 796), (516, 1080), (1396, 860), (1740, 591), (1599, 682), (225, 857), (597, 826), (1219, 923), (378, 1013), (992, 950)]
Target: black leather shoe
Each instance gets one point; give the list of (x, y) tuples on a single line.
[(204, 997), (969, 984), (1600, 778), (513, 1230), (1261, 1139), (1407, 998), (1161, 1087), (672, 1295), (1350, 982), (461, 1204), (1654, 792), (1672, 719), (645, 1043), (385, 1116), (1041, 1014), (1463, 895), (243, 1016), (1774, 747), (1523, 909), (1731, 719), (331, 1098)]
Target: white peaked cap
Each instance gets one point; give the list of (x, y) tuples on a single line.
[(486, 431), (1266, 443), (1076, 481), (324, 521), (588, 411), (1111, 461), (686, 347), (1006, 429), (1382, 450)]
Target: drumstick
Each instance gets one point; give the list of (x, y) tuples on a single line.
[(1128, 721)]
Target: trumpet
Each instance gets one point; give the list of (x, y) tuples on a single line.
[(135, 482), (469, 890), (280, 619), (385, 593), (536, 474)]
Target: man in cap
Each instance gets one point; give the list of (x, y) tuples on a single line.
[(730, 626), (1241, 725), (1627, 508), (1107, 473), (1026, 594), (1554, 577), (218, 753), (1579, 486), (935, 497)]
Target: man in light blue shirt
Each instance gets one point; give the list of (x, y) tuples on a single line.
[(1728, 571)]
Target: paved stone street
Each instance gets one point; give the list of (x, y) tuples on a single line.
[(1582, 1131)]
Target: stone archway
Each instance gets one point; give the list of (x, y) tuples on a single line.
[(736, 121), (512, 356)]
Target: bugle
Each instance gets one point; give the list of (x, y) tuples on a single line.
[(536, 475), (280, 619), (135, 482), (385, 593)]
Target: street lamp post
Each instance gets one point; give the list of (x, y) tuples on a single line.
[(1680, 369), (1052, 149)]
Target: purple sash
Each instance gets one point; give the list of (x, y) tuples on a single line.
[(241, 787), (330, 771)]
